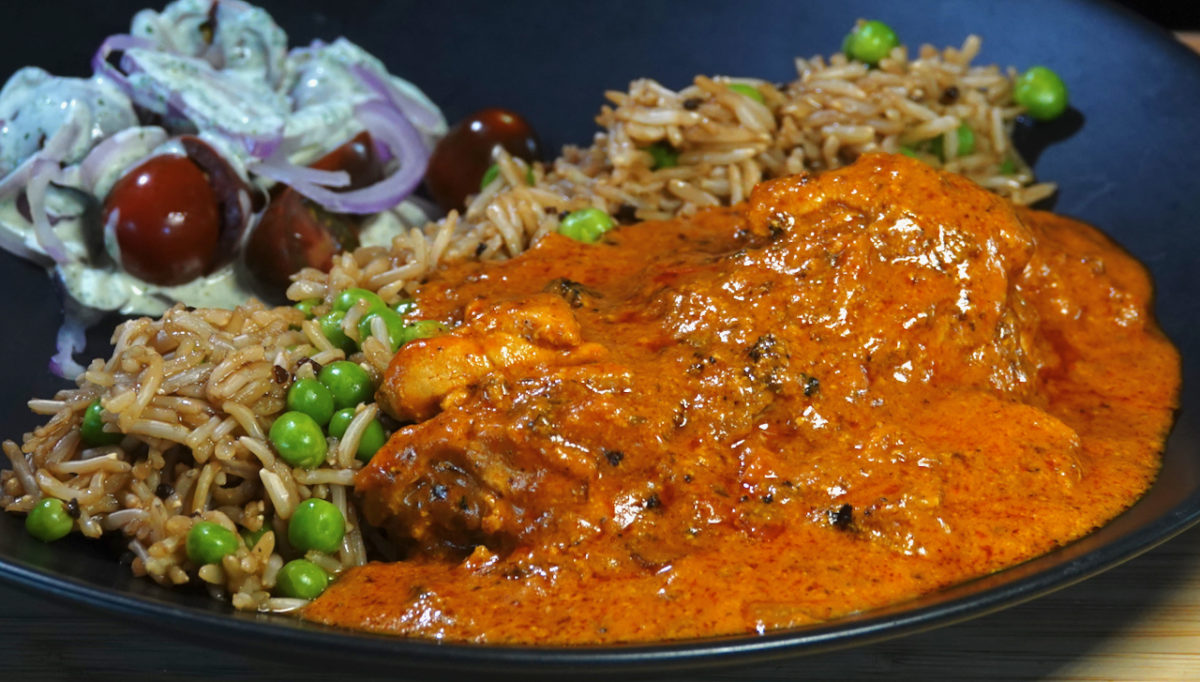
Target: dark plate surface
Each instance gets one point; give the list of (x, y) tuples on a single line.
[(1130, 169)]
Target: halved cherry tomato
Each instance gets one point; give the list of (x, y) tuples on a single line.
[(464, 154), (167, 223), (295, 232), (357, 157), (289, 236)]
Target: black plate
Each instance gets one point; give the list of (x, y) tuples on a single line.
[(1130, 169)]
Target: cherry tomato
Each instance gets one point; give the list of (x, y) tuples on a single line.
[(292, 234), (462, 157), (358, 158), (167, 224), (295, 233), (231, 192)]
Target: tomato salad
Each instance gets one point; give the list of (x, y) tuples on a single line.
[(204, 162)]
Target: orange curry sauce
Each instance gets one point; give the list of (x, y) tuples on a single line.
[(855, 388)]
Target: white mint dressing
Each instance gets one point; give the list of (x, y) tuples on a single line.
[(236, 87)]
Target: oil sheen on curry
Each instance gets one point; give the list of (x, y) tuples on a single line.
[(851, 390)]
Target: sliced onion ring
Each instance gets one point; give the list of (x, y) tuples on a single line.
[(143, 139), (387, 126), (120, 41), (414, 110), (44, 172), (282, 170), (54, 150)]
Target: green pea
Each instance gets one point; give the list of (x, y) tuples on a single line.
[(49, 520), (423, 329), (373, 438), (92, 429), (298, 439), (331, 327), (1041, 92), (316, 524), (340, 421), (748, 91), (870, 42), (312, 398), (664, 154), (966, 142), (586, 225), (1008, 167), (301, 579), (207, 542), (349, 383), (909, 152), (405, 306), (391, 320), (346, 299), (493, 172), (306, 306)]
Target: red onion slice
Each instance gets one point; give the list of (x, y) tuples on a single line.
[(129, 143), (44, 172), (389, 127), (19, 177), (282, 170), (414, 110), (54, 150), (100, 65)]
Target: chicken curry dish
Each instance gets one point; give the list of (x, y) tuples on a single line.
[(852, 389)]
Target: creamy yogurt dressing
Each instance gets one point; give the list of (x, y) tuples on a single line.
[(237, 88), (114, 289)]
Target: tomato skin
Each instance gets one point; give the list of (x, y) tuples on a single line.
[(462, 157), (291, 235), (295, 233), (166, 221), (358, 158), (237, 199)]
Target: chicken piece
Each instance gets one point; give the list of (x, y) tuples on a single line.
[(729, 370), (427, 373)]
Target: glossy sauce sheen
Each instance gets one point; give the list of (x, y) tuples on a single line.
[(854, 389)]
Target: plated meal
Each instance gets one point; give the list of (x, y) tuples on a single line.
[(762, 355)]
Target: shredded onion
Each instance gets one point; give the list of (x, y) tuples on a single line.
[(100, 65), (388, 126), (44, 172), (54, 150), (135, 142), (281, 170), (415, 111)]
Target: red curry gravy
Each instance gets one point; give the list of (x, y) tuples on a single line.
[(853, 389)]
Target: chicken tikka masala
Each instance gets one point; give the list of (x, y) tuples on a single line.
[(852, 389)]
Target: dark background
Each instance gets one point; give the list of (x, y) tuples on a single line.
[(1174, 14)]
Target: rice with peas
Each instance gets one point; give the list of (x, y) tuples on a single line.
[(196, 391)]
